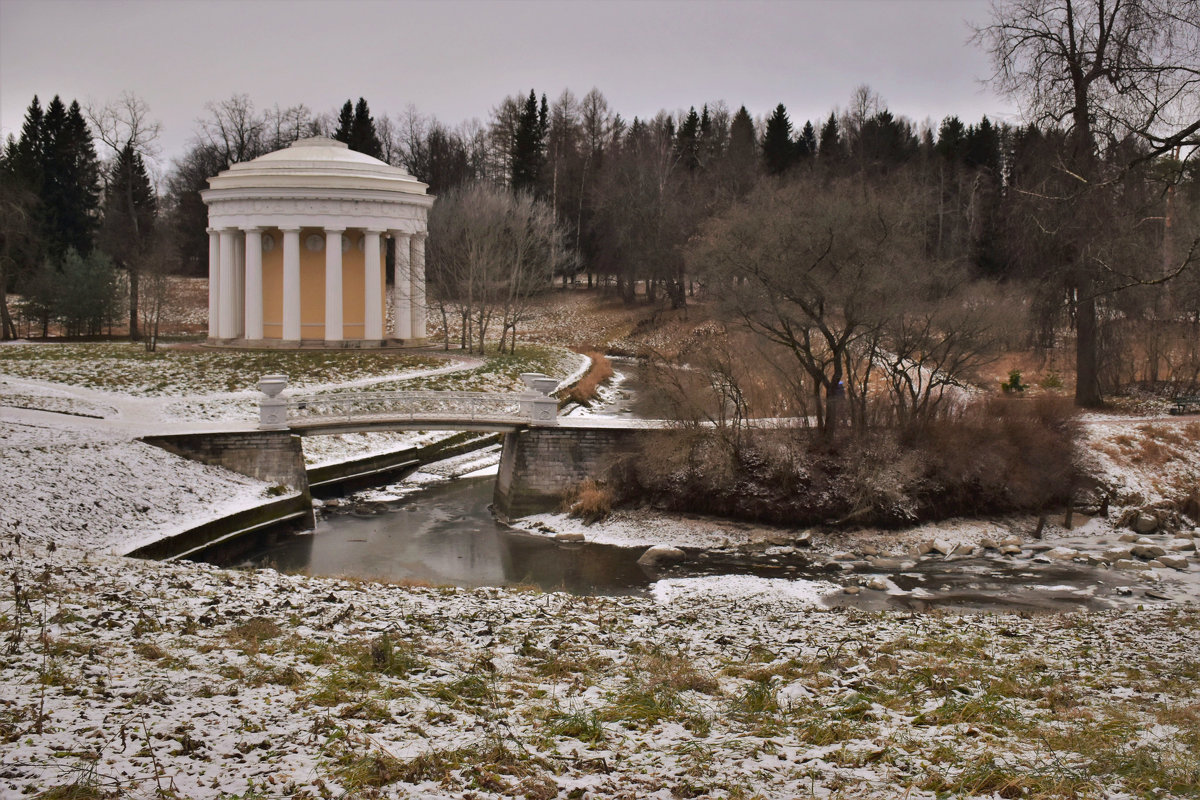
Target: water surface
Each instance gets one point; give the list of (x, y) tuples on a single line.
[(446, 535)]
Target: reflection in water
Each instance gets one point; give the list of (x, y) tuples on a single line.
[(447, 536)]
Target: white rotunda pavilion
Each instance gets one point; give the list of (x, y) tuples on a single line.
[(296, 250)]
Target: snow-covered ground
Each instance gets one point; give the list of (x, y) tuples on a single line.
[(132, 679), (1144, 461), (73, 473), (142, 679), (77, 484)]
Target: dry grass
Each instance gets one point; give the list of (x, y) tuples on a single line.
[(589, 501), (601, 370)]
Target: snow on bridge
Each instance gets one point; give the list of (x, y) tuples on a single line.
[(352, 412)]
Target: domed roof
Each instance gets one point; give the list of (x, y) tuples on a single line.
[(317, 163)]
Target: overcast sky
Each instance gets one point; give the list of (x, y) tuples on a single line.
[(457, 60)]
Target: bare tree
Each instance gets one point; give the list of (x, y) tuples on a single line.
[(490, 252), (1109, 71), (233, 129), (388, 133), (160, 267), (125, 122), (282, 126), (125, 126), (816, 271), (931, 343)]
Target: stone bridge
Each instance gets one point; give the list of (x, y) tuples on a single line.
[(542, 456), (357, 412)]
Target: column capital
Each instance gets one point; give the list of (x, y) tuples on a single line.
[(376, 231), (251, 229), (211, 231), (333, 229), (290, 229)]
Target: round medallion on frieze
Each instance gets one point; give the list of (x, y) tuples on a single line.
[(345, 243), (314, 243), (268, 242)]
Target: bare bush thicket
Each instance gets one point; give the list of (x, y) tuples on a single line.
[(490, 252), (991, 456)]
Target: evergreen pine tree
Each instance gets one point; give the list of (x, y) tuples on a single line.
[(830, 149), (951, 142), (741, 138), (363, 137), (687, 141), (543, 121), (779, 151), (345, 126), (25, 162), (527, 147), (807, 141), (70, 181), (982, 146), (81, 170), (712, 145), (130, 207), (126, 234)]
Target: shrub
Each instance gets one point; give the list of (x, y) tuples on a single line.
[(1013, 384), (590, 501), (994, 456)]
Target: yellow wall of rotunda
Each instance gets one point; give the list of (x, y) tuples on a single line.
[(312, 286)]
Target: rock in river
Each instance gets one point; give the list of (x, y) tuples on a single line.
[(1148, 551), (1061, 553), (661, 554)]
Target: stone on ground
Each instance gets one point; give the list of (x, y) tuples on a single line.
[(661, 554)]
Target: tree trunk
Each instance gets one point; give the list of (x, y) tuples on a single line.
[(134, 335), (1087, 377), (7, 329)]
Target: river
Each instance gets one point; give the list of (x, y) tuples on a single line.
[(445, 534)]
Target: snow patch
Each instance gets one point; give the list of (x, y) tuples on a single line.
[(740, 588)]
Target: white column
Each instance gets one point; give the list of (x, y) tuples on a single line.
[(372, 294), (214, 283), (227, 327), (254, 286), (239, 285), (291, 284), (418, 286), (401, 306), (333, 284)]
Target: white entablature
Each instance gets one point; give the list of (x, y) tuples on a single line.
[(296, 248)]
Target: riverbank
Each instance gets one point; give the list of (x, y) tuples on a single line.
[(129, 679)]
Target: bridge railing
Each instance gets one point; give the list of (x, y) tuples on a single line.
[(535, 406), (404, 405)]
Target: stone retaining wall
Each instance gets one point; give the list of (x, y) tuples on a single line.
[(272, 456), (539, 464)]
